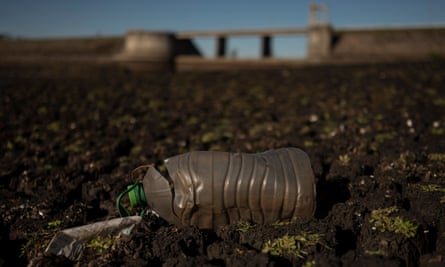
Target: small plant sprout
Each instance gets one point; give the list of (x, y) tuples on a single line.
[(434, 188), (436, 156), (279, 223), (309, 263), (308, 143), (344, 159), (99, 244), (296, 246), (244, 226), (55, 223), (383, 221)]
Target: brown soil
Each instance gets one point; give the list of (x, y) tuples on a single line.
[(70, 135)]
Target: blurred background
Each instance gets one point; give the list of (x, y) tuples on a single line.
[(84, 18)]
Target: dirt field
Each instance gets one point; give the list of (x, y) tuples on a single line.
[(70, 135)]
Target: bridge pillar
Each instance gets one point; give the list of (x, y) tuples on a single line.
[(220, 46), (266, 46)]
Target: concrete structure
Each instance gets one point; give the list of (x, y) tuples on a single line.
[(221, 37), (168, 50), (319, 42), (319, 35), (149, 45), (155, 50), (318, 14), (387, 43)]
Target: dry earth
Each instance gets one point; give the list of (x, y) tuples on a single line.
[(71, 134)]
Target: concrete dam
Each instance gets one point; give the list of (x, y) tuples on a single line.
[(177, 50)]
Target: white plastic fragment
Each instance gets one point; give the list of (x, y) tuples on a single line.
[(71, 242)]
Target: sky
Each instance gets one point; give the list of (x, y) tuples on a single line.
[(62, 18)]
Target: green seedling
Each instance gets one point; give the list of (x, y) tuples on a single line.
[(438, 131), (308, 143), (305, 130), (344, 159), (209, 137), (285, 222), (362, 119), (286, 244), (244, 226), (436, 156), (381, 138), (296, 246), (329, 128), (310, 264), (375, 252), (19, 141), (76, 146), (434, 188), (238, 251), (440, 102), (54, 224), (126, 118), (383, 221), (42, 110), (10, 145), (54, 126), (100, 244)]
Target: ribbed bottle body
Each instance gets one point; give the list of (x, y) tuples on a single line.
[(217, 188)]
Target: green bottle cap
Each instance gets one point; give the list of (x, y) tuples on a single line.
[(137, 195)]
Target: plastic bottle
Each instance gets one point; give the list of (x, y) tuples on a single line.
[(210, 189)]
